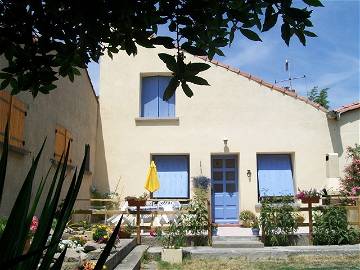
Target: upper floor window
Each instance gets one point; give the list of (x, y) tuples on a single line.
[(152, 103), (15, 109)]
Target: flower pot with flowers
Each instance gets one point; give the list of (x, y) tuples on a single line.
[(126, 231), (308, 196), (137, 201), (101, 233)]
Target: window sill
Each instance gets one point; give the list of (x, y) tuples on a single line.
[(16, 149), (142, 121)]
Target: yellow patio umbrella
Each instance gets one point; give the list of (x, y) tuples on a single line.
[(152, 180)]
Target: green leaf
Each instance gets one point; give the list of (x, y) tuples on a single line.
[(195, 68), (301, 37), (58, 264), (197, 80), (286, 33), (12, 245), (314, 3), (4, 83), (187, 89), (171, 88), (3, 160), (167, 42), (309, 34), (65, 211), (47, 88), (47, 214), (169, 60), (250, 34), (270, 19), (109, 245), (193, 49)]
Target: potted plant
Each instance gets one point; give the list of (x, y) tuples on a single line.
[(214, 229), (255, 228), (308, 196), (137, 201), (173, 239), (126, 231), (246, 218), (101, 233)]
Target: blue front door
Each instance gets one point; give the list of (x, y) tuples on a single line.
[(224, 187)]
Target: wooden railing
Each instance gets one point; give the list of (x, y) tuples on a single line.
[(139, 213), (353, 220)]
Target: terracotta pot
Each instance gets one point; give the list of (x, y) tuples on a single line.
[(310, 200), (123, 234)]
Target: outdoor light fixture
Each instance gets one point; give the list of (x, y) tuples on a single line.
[(248, 173), (225, 140)]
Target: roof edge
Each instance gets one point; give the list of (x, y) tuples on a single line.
[(348, 107), (264, 83)]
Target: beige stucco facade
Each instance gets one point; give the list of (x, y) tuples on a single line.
[(253, 117), (73, 106), (349, 133)]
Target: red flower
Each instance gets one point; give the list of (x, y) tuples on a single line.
[(34, 224)]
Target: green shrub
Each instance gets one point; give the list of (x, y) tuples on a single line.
[(174, 236), (196, 220), (331, 227), (278, 221), (247, 217)]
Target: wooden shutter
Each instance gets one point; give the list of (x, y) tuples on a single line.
[(150, 97), (60, 142), (17, 122), (4, 112), (62, 138)]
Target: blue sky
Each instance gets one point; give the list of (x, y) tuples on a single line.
[(330, 60)]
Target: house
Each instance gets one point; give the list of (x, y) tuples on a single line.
[(250, 137), (67, 114)]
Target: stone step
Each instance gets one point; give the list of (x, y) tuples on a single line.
[(237, 244), (236, 238), (133, 260), (124, 247)]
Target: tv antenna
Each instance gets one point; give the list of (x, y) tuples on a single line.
[(290, 78)]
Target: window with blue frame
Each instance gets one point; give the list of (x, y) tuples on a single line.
[(152, 103), (173, 172), (275, 175)]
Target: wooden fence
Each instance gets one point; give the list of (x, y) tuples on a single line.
[(106, 213)]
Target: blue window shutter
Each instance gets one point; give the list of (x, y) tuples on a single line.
[(166, 108), (275, 175), (149, 97), (173, 176)]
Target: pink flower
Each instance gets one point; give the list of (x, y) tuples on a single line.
[(153, 232), (34, 224)]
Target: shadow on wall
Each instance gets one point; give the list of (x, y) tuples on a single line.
[(335, 135), (101, 179)]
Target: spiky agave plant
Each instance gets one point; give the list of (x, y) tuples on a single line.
[(41, 253)]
